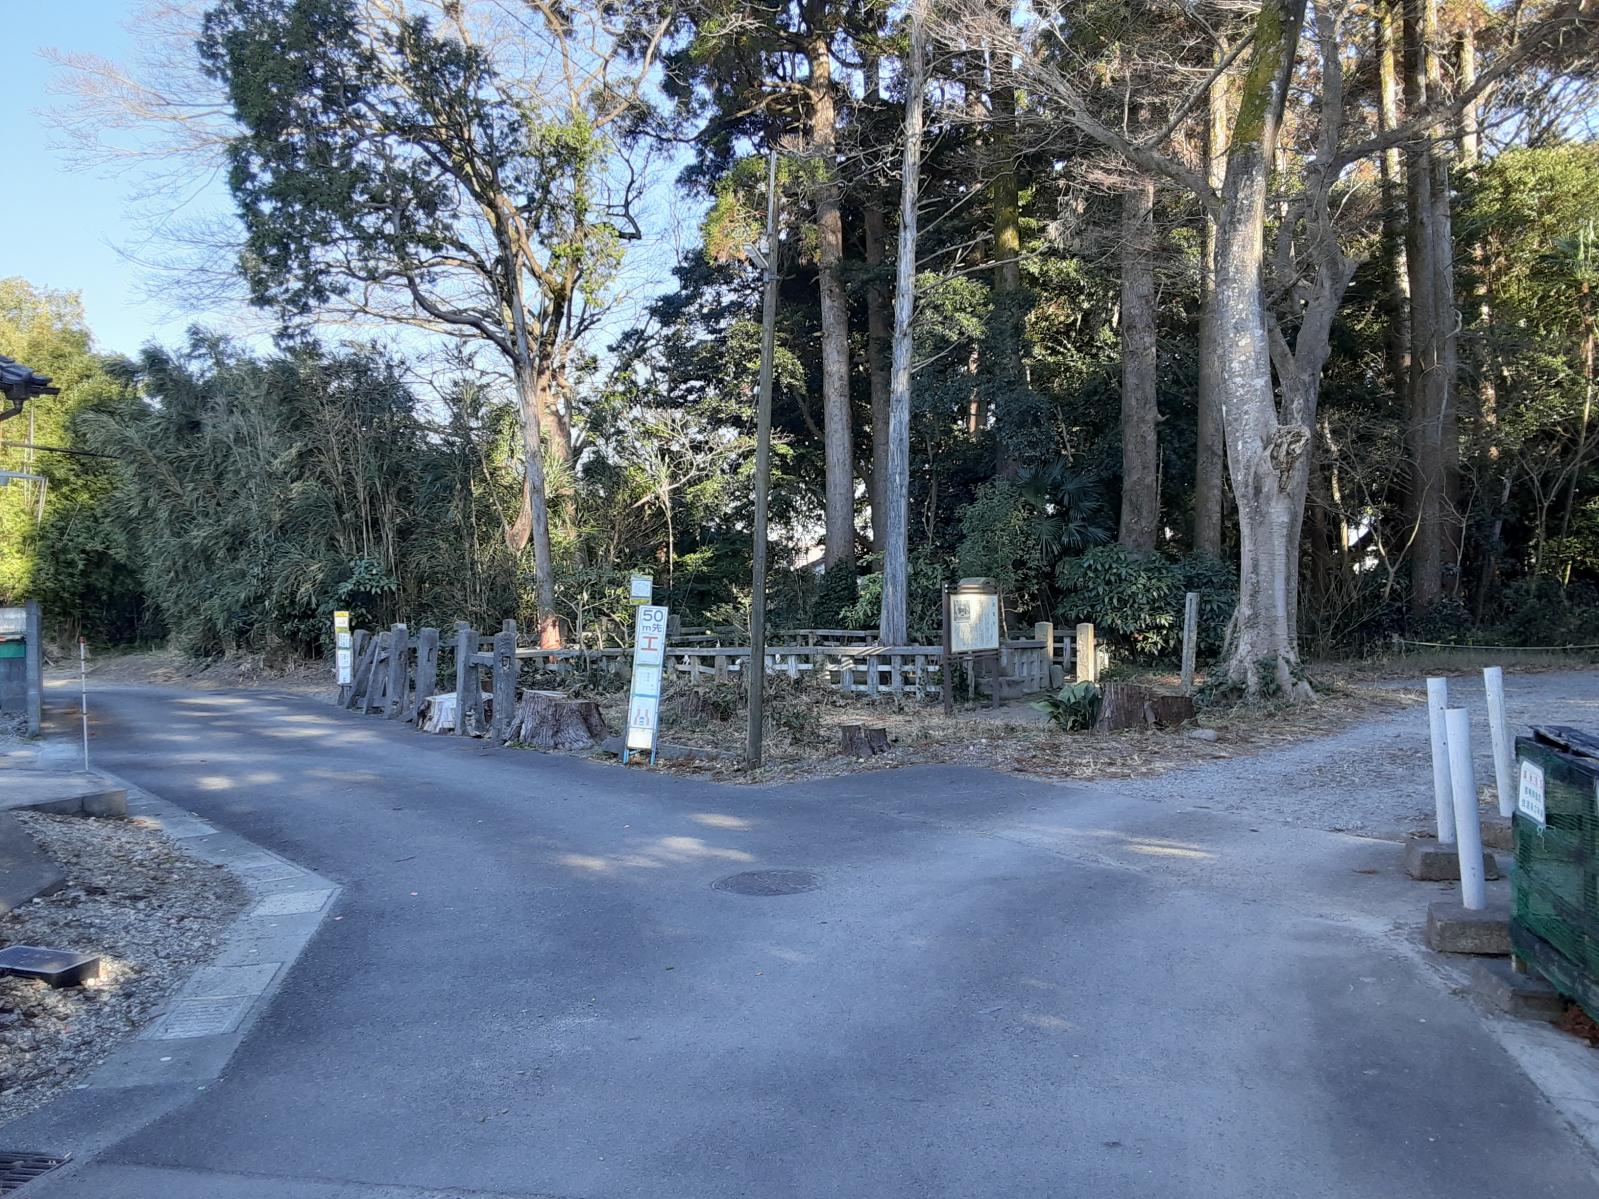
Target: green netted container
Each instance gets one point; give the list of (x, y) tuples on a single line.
[(1555, 922)]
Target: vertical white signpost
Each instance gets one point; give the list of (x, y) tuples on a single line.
[(343, 654), (649, 659)]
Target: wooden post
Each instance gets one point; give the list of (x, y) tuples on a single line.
[(1087, 655), (504, 688), (1190, 639), (399, 672), (427, 672), (466, 684), (378, 677), (763, 456), (366, 653), (945, 660)]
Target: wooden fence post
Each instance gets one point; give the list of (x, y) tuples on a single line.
[(1087, 655), (466, 684), (505, 665), (399, 672), (377, 676), (427, 672), (366, 652), (1190, 639)]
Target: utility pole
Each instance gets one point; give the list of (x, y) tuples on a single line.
[(763, 460)]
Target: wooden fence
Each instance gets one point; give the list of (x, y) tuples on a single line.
[(395, 675)]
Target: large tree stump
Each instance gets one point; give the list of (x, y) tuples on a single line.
[(550, 720), (859, 741), (1169, 711), (1123, 706)]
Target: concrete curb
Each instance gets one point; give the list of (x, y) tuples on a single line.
[(209, 1016), (191, 1041)]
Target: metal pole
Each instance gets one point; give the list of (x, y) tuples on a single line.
[(1473, 888), (763, 459), (1493, 678), (83, 696), (1443, 802)]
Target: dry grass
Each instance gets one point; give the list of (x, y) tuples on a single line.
[(174, 668), (802, 734)]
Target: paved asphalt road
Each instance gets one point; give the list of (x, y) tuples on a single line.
[(999, 988)]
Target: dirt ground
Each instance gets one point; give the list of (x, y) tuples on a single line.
[(132, 896), (170, 666), (803, 733)]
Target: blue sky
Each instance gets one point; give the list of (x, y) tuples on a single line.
[(62, 226), (71, 229)]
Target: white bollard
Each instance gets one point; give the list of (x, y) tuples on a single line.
[(1442, 798), (1493, 679), (1468, 829)]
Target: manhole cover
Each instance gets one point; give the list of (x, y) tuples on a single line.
[(768, 882), (19, 1168)]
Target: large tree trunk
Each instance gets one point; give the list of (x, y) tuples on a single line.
[(1208, 447), (529, 388), (878, 334), (1007, 317), (1433, 445), (1396, 274), (1268, 461), (533, 496), (838, 436), (892, 621), (1140, 514)]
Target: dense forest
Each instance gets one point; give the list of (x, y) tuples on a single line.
[(1292, 304)]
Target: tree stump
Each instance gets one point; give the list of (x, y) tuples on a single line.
[(1169, 711), (858, 741), (1123, 706), (550, 720)]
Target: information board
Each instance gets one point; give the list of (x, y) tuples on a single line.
[(343, 651), (644, 700), (973, 621)]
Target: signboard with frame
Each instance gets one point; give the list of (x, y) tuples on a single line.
[(973, 620), (641, 589), (972, 633), (644, 698)]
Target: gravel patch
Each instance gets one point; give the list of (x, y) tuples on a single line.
[(153, 913), (1374, 778)]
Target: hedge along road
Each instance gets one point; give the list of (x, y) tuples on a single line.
[(996, 987)]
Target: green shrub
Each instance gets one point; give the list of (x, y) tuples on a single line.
[(1074, 706), (836, 594), (924, 585), (1539, 611), (1136, 600)]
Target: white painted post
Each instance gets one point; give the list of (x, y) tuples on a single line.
[(83, 696), (1468, 830), (1442, 798), (1493, 679)]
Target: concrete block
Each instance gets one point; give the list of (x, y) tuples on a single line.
[(1431, 861), (25, 869), (1453, 929), (1502, 989), (1497, 834)]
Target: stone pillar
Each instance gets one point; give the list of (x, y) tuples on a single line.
[(1087, 655)]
